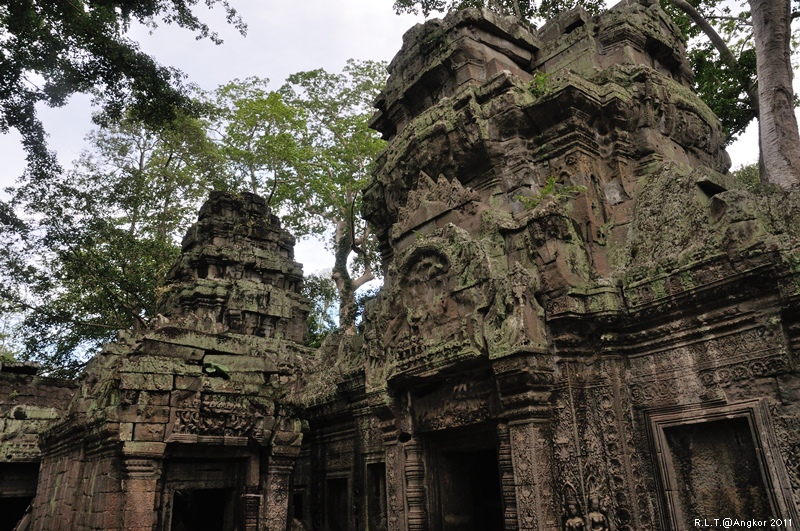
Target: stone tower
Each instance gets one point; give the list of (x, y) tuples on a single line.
[(584, 323), (184, 426)]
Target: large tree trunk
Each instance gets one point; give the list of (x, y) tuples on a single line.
[(345, 285), (780, 141)]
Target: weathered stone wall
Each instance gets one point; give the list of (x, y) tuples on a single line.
[(585, 322), (28, 405), (584, 319), (185, 425)]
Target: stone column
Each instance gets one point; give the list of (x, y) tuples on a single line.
[(505, 463), (139, 488), (415, 486), (276, 489)]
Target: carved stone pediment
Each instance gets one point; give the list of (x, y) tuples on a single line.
[(439, 303), (429, 201)]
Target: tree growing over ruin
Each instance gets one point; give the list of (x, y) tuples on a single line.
[(98, 240), (307, 148), (755, 82), (326, 198)]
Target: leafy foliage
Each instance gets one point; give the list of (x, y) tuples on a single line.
[(321, 291), (53, 48), (340, 149), (259, 133), (538, 86), (99, 240), (723, 86), (749, 175), (723, 89), (552, 188)]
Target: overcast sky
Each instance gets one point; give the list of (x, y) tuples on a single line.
[(283, 37)]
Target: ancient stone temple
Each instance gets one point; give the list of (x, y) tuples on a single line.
[(185, 427), (585, 323)]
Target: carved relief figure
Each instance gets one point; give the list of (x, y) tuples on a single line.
[(573, 520), (596, 518)]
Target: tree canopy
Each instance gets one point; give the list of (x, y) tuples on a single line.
[(524, 9), (259, 133), (53, 48), (98, 240), (341, 149)]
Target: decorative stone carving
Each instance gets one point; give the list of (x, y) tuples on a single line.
[(577, 303)]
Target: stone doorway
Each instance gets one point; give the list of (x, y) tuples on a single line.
[(17, 489), (202, 510), (336, 504), (466, 479), (206, 495)]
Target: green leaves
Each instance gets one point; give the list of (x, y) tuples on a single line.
[(53, 48), (259, 134), (341, 149), (308, 149), (522, 9), (339, 146), (97, 242)]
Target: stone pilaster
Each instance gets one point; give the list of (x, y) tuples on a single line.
[(532, 462), (506, 465), (415, 486), (276, 490), (140, 477), (525, 382)]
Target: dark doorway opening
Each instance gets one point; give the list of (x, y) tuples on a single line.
[(376, 497), (336, 503), (11, 510), (297, 505), (202, 510), (469, 490)]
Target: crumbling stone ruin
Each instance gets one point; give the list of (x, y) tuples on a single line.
[(185, 426), (28, 404), (585, 323)]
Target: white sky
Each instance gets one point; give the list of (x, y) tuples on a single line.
[(284, 37)]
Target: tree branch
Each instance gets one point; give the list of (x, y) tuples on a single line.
[(741, 20), (365, 277), (719, 44)]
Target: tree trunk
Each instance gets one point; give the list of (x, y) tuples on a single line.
[(341, 276), (345, 285), (719, 44), (780, 141)]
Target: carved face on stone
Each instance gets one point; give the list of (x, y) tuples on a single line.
[(436, 309), (427, 294)]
